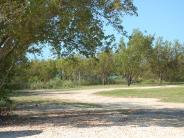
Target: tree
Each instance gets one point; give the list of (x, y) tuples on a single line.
[(69, 26), (130, 58), (43, 70), (69, 68), (160, 58), (90, 70), (166, 61), (105, 65), (176, 68)]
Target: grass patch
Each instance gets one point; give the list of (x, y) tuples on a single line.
[(164, 94)]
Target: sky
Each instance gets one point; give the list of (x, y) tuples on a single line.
[(158, 17)]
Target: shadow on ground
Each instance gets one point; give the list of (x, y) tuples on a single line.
[(17, 134), (96, 118), (91, 115), (20, 93)]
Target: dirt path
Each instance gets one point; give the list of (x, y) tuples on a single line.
[(101, 117), (88, 96)]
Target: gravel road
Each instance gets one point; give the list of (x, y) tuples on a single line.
[(101, 117)]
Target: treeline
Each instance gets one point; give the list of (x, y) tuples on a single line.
[(142, 59)]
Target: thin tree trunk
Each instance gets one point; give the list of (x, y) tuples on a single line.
[(103, 79), (79, 78)]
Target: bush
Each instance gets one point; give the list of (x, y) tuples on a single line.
[(18, 85), (68, 84), (150, 81), (37, 85), (52, 84), (5, 103)]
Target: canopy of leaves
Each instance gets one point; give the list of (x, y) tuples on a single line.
[(69, 26), (132, 57)]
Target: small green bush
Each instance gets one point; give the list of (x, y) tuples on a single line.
[(37, 85), (150, 81), (52, 84), (6, 106), (4, 100), (68, 84)]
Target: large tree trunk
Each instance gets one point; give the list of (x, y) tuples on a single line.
[(129, 80)]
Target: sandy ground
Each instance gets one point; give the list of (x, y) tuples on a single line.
[(108, 118)]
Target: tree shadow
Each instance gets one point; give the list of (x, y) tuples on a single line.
[(17, 134), (96, 118), (20, 93), (53, 106), (91, 115)]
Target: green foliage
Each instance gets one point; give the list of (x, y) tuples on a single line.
[(77, 27), (38, 85), (68, 84), (4, 100), (132, 57), (150, 81), (52, 84), (166, 60), (42, 70), (68, 26), (139, 61), (105, 66)]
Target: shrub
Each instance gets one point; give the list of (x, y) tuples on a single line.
[(52, 84), (68, 84), (150, 81), (5, 103), (37, 85)]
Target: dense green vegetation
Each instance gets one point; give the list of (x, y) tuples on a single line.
[(84, 54), (141, 60), (69, 27), (165, 94)]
